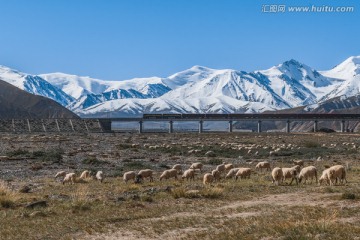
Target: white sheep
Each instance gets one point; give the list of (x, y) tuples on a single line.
[(289, 173), (217, 174), (69, 178), (262, 165), (169, 174), (178, 167), (100, 176), (146, 173), (189, 174), (297, 168), (229, 166), (325, 177), (232, 172), (299, 162), (337, 172), (208, 178), (129, 176), (308, 172), (243, 173), (85, 174), (277, 175), (60, 174), (197, 165)]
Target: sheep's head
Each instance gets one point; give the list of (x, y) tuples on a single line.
[(138, 178)]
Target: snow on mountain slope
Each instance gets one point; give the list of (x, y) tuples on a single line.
[(35, 85), (346, 70), (89, 91), (197, 89), (126, 107), (237, 85), (297, 83), (76, 86), (347, 75)]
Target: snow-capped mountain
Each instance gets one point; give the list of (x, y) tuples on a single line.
[(347, 75), (35, 85), (297, 83), (196, 90), (250, 87), (89, 91), (127, 107)]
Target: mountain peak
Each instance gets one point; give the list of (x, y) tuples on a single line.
[(292, 62), (4, 70), (200, 68), (352, 60), (346, 70)]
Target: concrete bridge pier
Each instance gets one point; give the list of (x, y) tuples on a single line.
[(316, 125), (230, 126), (201, 123), (342, 126), (140, 126), (259, 126), (171, 126), (288, 126)]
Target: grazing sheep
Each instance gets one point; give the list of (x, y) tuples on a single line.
[(60, 174), (146, 173), (69, 178), (217, 174), (297, 168), (197, 165), (129, 176), (308, 172), (208, 178), (169, 174), (325, 177), (337, 172), (232, 173), (243, 173), (289, 173), (189, 174), (277, 175), (220, 168), (299, 162), (262, 165), (178, 167), (85, 174), (100, 176), (229, 166)]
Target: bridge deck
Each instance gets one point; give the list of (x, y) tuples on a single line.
[(105, 124)]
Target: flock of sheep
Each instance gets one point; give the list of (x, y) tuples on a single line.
[(71, 177), (298, 173)]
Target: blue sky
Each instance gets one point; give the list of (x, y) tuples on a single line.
[(122, 39)]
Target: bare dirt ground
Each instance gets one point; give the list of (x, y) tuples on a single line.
[(175, 209)]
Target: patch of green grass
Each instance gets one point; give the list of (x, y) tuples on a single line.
[(215, 161), (348, 195), (311, 144), (135, 165), (18, 153), (123, 146), (93, 161), (53, 155)]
